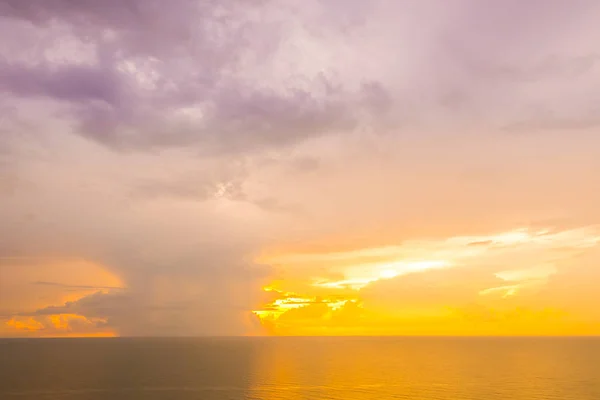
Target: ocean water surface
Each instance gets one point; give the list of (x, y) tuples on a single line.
[(348, 368)]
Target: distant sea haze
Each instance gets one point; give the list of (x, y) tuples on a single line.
[(295, 368)]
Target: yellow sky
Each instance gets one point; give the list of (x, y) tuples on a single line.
[(467, 285)]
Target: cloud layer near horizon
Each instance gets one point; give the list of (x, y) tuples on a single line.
[(164, 150)]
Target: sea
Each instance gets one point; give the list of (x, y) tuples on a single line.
[(297, 368)]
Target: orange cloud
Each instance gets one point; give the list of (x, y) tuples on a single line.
[(58, 325), (25, 324)]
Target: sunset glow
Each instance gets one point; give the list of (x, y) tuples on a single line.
[(476, 285)]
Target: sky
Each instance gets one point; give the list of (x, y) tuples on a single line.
[(262, 167)]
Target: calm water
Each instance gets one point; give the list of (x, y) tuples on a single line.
[(301, 368)]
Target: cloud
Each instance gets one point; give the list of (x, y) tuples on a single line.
[(178, 75), (56, 326), (172, 143), (139, 75), (159, 312), (66, 286), (70, 83), (186, 267), (454, 287)]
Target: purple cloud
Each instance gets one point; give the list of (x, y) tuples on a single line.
[(72, 83), (174, 76)]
